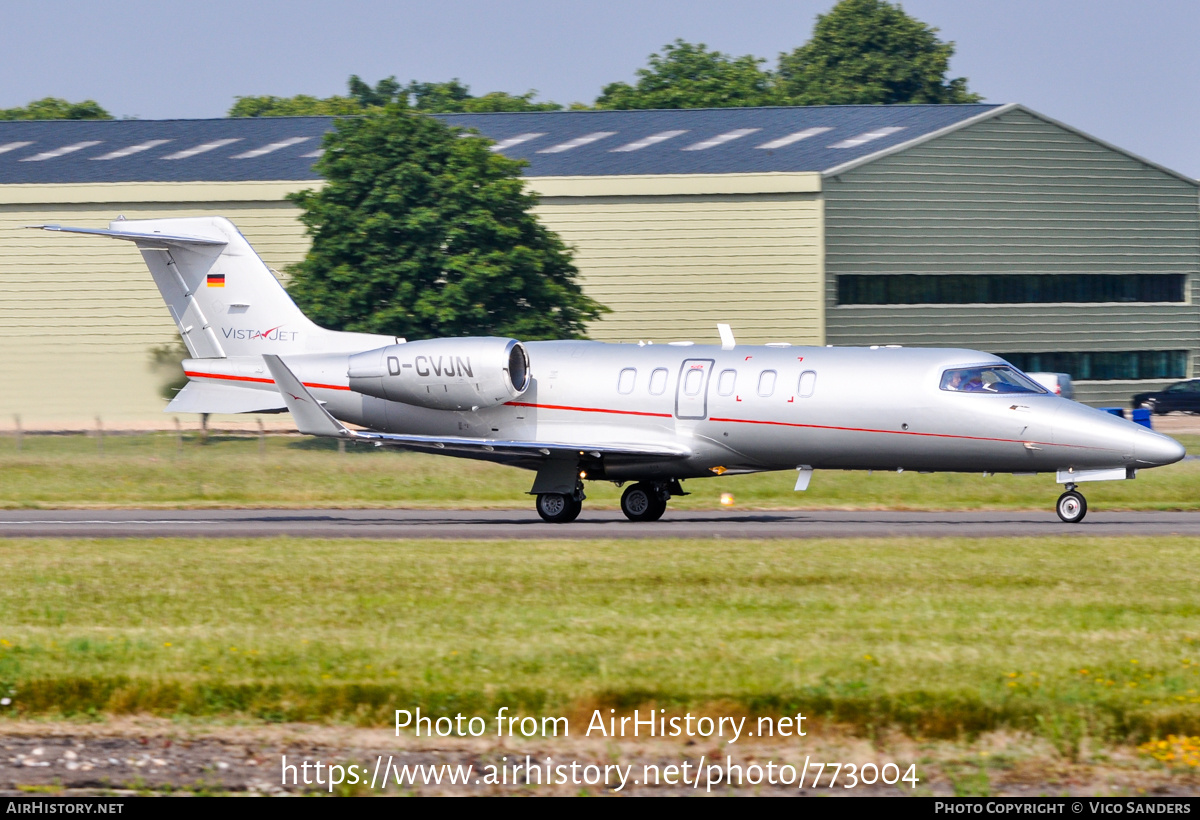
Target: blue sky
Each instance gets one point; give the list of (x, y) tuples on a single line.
[(1125, 72)]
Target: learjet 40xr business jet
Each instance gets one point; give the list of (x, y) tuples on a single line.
[(651, 415)]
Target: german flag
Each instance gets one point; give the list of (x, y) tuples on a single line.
[(216, 280)]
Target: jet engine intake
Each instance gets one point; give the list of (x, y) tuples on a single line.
[(444, 374)]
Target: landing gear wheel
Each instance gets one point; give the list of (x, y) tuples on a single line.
[(1072, 507), (643, 502), (557, 508)]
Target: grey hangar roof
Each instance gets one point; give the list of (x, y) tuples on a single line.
[(555, 143)]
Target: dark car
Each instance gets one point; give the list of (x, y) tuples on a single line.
[(1182, 396)]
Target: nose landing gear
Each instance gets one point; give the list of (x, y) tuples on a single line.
[(1072, 506)]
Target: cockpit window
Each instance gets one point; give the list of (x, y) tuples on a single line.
[(990, 379)]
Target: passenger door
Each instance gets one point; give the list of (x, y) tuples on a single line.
[(691, 392)]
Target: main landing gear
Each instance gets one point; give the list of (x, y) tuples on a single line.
[(647, 500), (643, 501), (1072, 506), (560, 508)]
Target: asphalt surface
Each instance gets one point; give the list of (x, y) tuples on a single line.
[(522, 524)]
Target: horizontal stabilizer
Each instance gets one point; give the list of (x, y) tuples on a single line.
[(136, 237), (311, 416), (206, 397)]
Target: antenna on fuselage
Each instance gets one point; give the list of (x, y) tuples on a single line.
[(727, 340)]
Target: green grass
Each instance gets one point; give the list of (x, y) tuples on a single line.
[(154, 471), (1065, 637)]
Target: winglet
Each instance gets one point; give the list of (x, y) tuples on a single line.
[(311, 417)]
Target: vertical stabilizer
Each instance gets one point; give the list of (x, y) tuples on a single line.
[(224, 299)]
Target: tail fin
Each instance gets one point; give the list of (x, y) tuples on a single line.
[(224, 299)]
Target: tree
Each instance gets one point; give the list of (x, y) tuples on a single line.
[(454, 97), (434, 98), (870, 52), (689, 76), (422, 231), (301, 105), (362, 96), (385, 92), (54, 108)]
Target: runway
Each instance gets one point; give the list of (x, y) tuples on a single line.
[(592, 525)]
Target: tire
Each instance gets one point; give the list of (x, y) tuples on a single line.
[(1071, 507), (556, 508), (641, 502)]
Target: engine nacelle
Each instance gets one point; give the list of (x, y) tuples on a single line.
[(444, 374)]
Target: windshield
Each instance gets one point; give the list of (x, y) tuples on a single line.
[(989, 379)]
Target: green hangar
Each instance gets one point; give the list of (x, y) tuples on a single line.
[(981, 226)]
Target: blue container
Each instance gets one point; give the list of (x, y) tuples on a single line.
[(1116, 411), (1142, 416)]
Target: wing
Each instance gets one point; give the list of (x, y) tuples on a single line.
[(313, 419)]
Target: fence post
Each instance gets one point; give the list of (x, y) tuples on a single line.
[(99, 436), (262, 438), (17, 419)]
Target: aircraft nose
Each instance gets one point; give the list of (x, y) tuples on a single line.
[(1156, 449)]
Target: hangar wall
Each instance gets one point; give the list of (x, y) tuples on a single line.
[(1016, 194), (79, 315), (674, 255)]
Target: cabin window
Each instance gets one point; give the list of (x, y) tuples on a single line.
[(808, 383), (989, 379), (625, 382), (766, 383), (693, 381), (726, 382), (658, 381)]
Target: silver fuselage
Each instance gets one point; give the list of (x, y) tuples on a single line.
[(823, 407)]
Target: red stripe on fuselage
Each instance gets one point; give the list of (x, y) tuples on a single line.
[(192, 374), (195, 375), (793, 424)]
